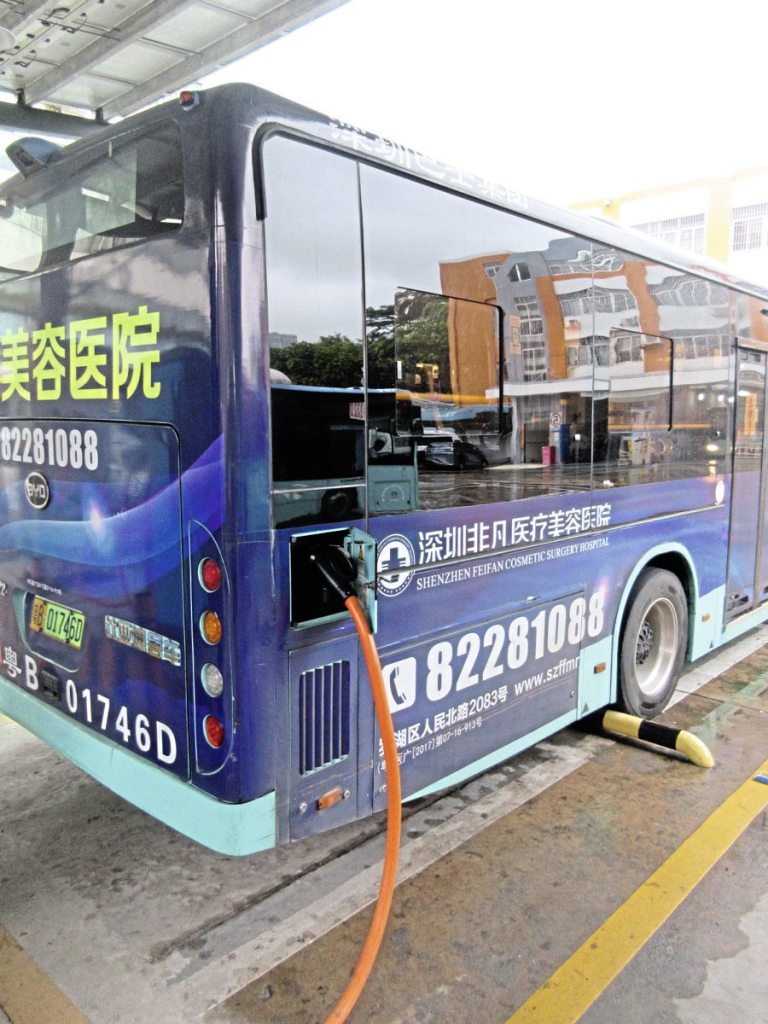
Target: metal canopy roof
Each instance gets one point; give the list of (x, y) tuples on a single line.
[(107, 58)]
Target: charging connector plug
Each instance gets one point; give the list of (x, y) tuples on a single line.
[(337, 568)]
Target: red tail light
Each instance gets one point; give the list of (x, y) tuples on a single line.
[(214, 730), (209, 574)]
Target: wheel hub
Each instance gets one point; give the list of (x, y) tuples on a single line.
[(644, 643)]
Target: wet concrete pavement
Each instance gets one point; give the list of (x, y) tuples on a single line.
[(471, 937)]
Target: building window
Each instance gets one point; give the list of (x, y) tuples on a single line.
[(528, 310), (587, 262), (520, 272), (534, 359), (750, 227), (628, 348), (685, 290), (598, 300), (588, 351), (703, 345), (492, 269), (684, 232)]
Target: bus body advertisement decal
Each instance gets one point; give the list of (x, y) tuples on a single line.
[(91, 609), (142, 540), (104, 357), (465, 545), (496, 682), (436, 544)]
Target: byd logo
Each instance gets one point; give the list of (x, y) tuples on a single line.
[(37, 490)]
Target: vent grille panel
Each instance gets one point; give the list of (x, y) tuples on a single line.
[(324, 716)]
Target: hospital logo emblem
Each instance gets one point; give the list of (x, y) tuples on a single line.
[(394, 566)]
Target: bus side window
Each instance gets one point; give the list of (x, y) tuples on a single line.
[(665, 413), (480, 342), (314, 285), (447, 354)]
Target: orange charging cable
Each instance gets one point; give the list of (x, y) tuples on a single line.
[(392, 851)]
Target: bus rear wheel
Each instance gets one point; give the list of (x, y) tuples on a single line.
[(653, 643)]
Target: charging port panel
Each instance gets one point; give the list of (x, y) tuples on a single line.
[(313, 600)]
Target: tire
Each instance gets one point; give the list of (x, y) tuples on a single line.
[(654, 640)]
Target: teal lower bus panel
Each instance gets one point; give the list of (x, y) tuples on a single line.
[(232, 829)]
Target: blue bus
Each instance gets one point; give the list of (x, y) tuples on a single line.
[(234, 332)]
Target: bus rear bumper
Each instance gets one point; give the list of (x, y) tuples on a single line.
[(232, 829)]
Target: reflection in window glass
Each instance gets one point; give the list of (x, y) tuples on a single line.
[(123, 194), (633, 416), (475, 274), (447, 365), (314, 287), (505, 358), (750, 410), (662, 414), (313, 253), (317, 453)]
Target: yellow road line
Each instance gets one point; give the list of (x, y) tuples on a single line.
[(566, 996), (27, 994)]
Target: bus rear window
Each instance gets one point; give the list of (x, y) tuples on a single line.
[(116, 194)]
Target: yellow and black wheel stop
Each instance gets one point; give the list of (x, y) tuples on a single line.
[(662, 735)]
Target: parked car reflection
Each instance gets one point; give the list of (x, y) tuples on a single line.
[(450, 452)]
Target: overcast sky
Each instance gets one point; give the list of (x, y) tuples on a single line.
[(562, 99)]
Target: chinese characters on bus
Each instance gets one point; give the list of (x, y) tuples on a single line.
[(478, 537), (102, 357)]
